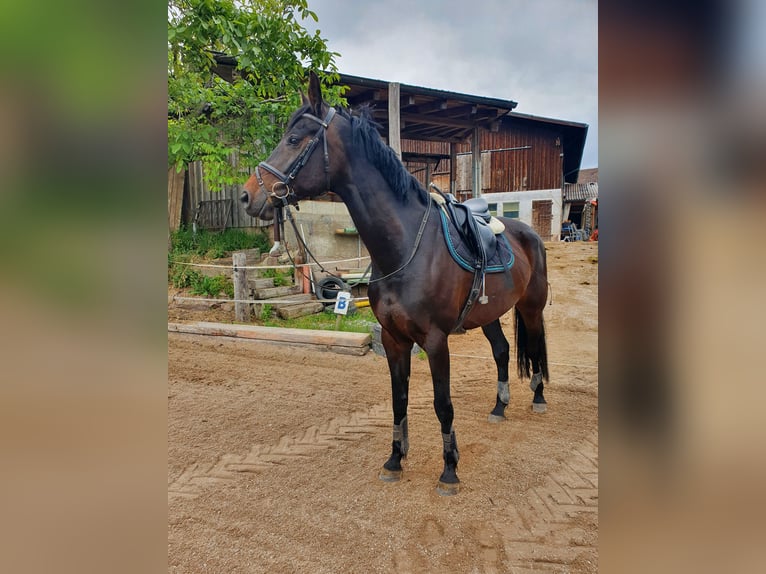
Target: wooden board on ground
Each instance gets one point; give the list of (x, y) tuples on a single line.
[(336, 341), (300, 310)]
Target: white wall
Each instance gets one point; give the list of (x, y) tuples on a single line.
[(525, 199), (319, 220)]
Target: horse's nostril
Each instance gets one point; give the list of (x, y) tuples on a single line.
[(244, 198)]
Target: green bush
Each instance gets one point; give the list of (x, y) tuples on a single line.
[(281, 278), (266, 312), (215, 244), (182, 276), (187, 247), (212, 286)]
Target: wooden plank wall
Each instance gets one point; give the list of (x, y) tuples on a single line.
[(175, 197), (538, 167), (199, 191)]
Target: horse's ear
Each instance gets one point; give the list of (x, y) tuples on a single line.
[(315, 94), (304, 98)]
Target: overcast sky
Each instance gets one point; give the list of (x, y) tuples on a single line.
[(539, 53)]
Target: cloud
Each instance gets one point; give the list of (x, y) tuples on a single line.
[(541, 54)]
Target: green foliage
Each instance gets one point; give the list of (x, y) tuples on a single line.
[(213, 286), (281, 278), (209, 118), (189, 247), (214, 244), (183, 276), (266, 312), (360, 322)]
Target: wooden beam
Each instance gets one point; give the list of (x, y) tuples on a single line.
[(360, 98), (470, 109), (175, 197), (437, 121), (435, 106), (394, 127), (366, 96), (476, 162), (452, 168), (338, 341), (242, 310)]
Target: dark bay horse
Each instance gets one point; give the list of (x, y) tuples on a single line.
[(416, 291)]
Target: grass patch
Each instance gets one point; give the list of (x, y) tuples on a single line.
[(360, 321), (186, 277), (215, 244), (190, 247), (281, 277)]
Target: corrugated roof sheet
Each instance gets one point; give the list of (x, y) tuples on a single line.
[(580, 191)]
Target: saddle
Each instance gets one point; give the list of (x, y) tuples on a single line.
[(477, 230)]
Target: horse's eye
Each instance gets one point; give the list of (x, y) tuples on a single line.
[(292, 140)]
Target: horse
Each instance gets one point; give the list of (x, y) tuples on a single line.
[(416, 290)]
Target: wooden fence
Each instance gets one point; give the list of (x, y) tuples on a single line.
[(199, 192)]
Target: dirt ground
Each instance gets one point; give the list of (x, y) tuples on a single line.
[(274, 453)]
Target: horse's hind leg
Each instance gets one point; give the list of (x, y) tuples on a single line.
[(500, 349), (398, 355), (531, 351)]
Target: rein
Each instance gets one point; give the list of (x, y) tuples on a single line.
[(415, 247)]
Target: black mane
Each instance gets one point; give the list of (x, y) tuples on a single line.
[(365, 136)]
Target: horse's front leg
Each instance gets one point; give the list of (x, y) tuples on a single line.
[(438, 358), (399, 356)]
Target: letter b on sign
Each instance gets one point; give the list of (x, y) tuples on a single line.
[(342, 302)]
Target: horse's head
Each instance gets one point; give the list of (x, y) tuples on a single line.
[(301, 165)]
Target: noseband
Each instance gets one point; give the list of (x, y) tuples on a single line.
[(282, 189)]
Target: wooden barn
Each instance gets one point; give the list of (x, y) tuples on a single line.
[(472, 145), (466, 144)]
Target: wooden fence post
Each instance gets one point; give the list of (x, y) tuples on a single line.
[(242, 310)]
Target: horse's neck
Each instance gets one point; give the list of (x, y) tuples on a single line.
[(386, 227)]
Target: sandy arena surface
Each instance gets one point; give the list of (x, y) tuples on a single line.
[(274, 453)]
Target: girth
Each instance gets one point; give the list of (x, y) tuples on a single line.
[(464, 217), (469, 231)]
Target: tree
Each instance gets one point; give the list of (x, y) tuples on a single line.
[(235, 68)]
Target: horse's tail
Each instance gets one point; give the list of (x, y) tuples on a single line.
[(530, 344)]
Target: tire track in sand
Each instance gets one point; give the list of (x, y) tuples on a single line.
[(262, 457)]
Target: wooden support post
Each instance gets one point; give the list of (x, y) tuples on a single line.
[(242, 310), (476, 156), (452, 168), (394, 120)]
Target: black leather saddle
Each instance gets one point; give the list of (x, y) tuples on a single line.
[(471, 218), (471, 221)]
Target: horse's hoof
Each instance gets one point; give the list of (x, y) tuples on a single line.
[(539, 407), (390, 475), (447, 488), (496, 418)]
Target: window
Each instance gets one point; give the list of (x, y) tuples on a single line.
[(511, 209), (493, 208)]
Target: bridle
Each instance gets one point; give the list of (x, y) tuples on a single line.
[(282, 190), (285, 195)]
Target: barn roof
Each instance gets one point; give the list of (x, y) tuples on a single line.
[(580, 191), (427, 113), (439, 115)]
